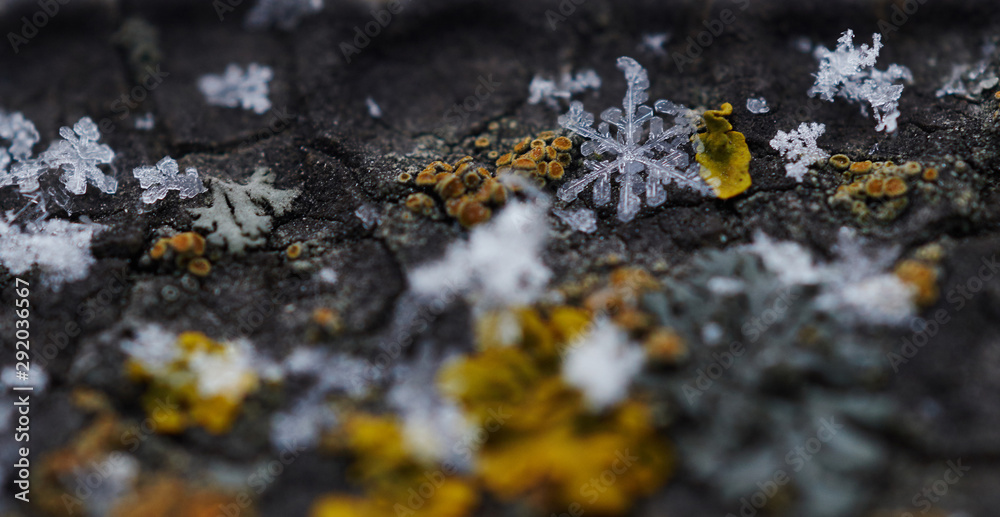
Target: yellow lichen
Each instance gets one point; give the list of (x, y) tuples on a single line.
[(177, 396), (723, 154)]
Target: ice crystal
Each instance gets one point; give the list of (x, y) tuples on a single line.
[(582, 220), (757, 106), (237, 218), (799, 148), (602, 364), (969, 81), (237, 88), (21, 132), (145, 122), (157, 181), (369, 216), (374, 110), (500, 263), (552, 92), (849, 73), (78, 155), (654, 42), (284, 14), (856, 286), (663, 155), (59, 248)]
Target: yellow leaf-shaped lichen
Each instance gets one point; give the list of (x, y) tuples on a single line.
[(723, 154)]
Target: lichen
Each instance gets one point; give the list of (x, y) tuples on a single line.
[(723, 154)]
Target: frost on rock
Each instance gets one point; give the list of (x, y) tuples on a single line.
[(857, 285), (757, 106), (971, 80), (78, 154), (157, 181), (237, 88), (602, 364), (552, 92), (849, 73), (283, 14), (499, 264), (798, 147), (663, 156), (237, 218), (59, 248), (582, 220)]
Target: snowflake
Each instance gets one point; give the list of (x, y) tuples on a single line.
[(59, 248), (78, 154), (799, 148), (237, 88), (551, 92), (284, 14), (21, 132), (157, 181), (757, 106), (849, 73), (631, 158)]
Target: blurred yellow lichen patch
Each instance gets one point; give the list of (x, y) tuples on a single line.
[(167, 496), (396, 482), (723, 154), (550, 447), (204, 383)]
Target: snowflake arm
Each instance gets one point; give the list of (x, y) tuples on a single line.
[(157, 181), (78, 155)]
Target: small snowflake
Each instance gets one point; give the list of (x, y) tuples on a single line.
[(849, 73), (237, 88), (552, 92), (21, 132), (799, 148), (663, 156), (78, 155), (157, 181)]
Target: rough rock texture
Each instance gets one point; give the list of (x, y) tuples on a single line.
[(430, 59)]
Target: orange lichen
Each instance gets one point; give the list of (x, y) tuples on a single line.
[(665, 346), (562, 144), (294, 251), (200, 267), (895, 187), (922, 278), (875, 187), (861, 167), (483, 141), (930, 174), (840, 162), (159, 249), (404, 177)]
